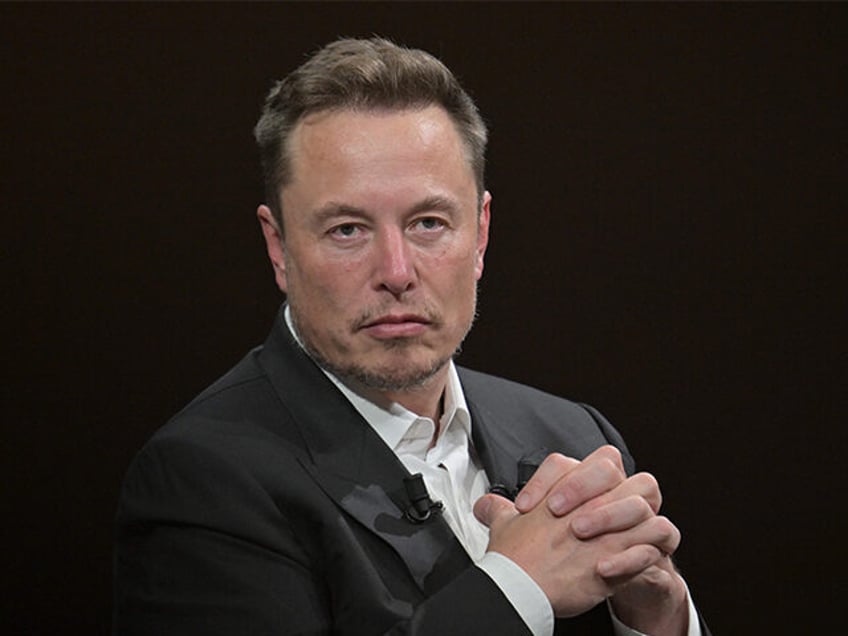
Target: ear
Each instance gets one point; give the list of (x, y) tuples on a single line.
[(273, 244), (483, 232)]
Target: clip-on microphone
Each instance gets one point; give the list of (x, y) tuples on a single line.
[(526, 467), (422, 506)]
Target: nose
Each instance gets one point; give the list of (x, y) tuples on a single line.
[(395, 270)]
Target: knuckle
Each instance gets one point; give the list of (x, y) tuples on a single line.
[(603, 517), (576, 486), (612, 468), (608, 466), (669, 535), (649, 488), (534, 485), (612, 452), (557, 460), (660, 526), (641, 506), (650, 555), (646, 482), (551, 469)]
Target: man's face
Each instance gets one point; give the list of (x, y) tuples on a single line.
[(384, 243)]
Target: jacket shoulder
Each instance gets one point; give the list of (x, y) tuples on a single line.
[(499, 391), (565, 426)]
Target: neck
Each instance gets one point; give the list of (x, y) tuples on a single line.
[(426, 400)]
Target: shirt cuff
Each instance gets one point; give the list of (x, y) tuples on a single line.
[(521, 591), (621, 629)]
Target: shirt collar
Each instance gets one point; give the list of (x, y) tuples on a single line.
[(394, 422)]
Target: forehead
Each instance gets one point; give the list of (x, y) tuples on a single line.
[(384, 137)]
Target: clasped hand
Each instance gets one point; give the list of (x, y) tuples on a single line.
[(584, 531)]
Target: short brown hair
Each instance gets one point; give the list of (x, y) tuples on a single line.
[(362, 74)]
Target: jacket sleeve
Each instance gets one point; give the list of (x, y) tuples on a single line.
[(196, 552), (202, 548)]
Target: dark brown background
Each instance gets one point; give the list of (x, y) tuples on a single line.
[(669, 187)]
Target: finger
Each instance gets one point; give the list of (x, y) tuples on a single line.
[(599, 473), (642, 485), (658, 531), (668, 536), (608, 452), (489, 509), (658, 583), (647, 544), (646, 486), (547, 474), (618, 515), (629, 563)]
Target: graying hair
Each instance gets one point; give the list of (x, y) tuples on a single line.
[(362, 75)]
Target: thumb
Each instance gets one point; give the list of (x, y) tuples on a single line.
[(489, 509)]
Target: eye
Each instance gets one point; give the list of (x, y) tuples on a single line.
[(345, 230), (429, 223)]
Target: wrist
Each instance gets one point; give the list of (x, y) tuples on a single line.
[(655, 602)]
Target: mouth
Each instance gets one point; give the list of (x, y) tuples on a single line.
[(396, 326)]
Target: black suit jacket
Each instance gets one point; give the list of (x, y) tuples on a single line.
[(269, 506)]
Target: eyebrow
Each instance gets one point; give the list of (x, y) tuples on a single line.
[(435, 202), (333, 209)]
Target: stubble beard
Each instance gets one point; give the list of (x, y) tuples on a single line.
[(381, 379), (396, 378)]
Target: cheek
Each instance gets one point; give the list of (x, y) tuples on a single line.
[(332, 282), (457, 281)]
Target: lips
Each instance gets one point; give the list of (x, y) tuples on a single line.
[(395, 320), (396, 326)]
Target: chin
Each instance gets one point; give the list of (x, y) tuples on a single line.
[(397, 373)]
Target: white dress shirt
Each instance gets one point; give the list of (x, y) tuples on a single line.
[(454, 476)]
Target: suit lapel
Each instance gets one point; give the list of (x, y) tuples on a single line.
[(354, 466)]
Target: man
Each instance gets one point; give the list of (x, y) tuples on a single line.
[(281, 500)]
